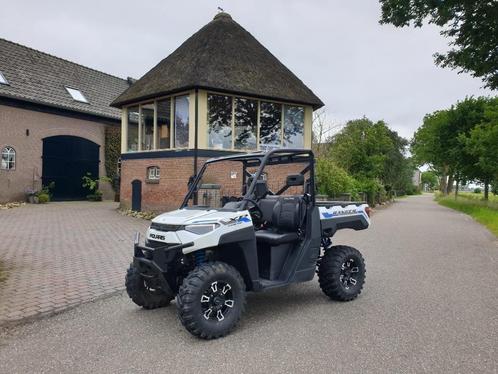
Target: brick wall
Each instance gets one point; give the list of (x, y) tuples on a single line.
[(28, 172), (175, 172)]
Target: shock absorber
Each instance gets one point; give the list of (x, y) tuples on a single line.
[(200, 257)]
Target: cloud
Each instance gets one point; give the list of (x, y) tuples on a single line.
[(356, 66)]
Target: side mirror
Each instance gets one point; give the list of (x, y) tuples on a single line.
[(295, 180)]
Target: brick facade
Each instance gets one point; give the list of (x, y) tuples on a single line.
[(14, 123), (175, 172)]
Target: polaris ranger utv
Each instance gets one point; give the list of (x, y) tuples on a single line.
[(209, 253)]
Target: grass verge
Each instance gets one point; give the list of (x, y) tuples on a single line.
[(483, 212), (3, 274)]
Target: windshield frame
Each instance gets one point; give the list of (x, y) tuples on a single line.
[(259, 159)]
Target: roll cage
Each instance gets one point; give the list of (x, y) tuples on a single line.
[(260, 160)]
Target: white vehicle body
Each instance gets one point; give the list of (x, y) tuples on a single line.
[(204, 227)]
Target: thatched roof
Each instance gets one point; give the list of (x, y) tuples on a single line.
[(221, 56)]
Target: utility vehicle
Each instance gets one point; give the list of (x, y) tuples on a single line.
[(225, 240)]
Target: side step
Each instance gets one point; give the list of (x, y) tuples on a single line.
[(265, 284)]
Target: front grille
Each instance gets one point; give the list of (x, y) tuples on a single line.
[(164, 227), (156, 244)]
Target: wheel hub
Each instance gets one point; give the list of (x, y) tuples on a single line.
[(349, 269), (217, 301)]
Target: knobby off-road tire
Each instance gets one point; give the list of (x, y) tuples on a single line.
[(142, 295), (211, 300), (341, 273)]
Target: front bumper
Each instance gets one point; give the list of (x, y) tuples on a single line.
[(153, 263)]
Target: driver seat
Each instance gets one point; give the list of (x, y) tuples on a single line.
[(285, 222)]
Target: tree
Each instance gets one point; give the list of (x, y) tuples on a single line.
[(445, 141), (482, 144), (472, 27), (429, 178)]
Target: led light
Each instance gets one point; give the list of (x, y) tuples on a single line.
[(201, 229)]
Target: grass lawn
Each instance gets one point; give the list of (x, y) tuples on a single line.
[(483, 212)]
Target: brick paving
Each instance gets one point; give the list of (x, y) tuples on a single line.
[(62, 254)]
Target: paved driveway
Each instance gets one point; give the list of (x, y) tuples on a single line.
[(62, 254), (430, 305)]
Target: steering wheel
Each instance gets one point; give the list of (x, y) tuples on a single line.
[(256, 215)]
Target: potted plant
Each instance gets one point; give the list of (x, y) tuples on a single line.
[(30, 195), (93, 186)]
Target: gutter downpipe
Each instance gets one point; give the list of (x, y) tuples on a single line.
[(196, 142)]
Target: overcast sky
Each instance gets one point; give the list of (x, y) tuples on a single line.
[(356, 66)]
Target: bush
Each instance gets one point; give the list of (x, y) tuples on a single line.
[(477, 190), (43, 198), (333, 180), (97, 196)]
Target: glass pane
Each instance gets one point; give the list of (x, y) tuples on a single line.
[(163, 124), (270, 125), (147, 126), (246, 121), (132, 128), (181, 122), (293, 126), (219, 122)]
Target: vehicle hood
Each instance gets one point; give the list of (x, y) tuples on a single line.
[(185, 216)]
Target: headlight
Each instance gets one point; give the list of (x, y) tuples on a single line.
[(202, 228)]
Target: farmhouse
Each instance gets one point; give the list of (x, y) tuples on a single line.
[(220, 92), (54, 116)]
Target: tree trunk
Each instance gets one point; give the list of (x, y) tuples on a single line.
[(486, 190), (442, 182), (449, 186), (456, 188)]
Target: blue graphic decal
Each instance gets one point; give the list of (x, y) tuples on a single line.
[(327, 215), (244, 219)]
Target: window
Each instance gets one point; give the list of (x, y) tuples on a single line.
[(3, 80), (147, 126), (132, 142), (219, 122), (270, 131), (8, 161), (76, 95), (293, 126), (246, 123), (181, 121), (153, 173), (163, 124)]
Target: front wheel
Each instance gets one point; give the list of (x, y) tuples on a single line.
[(211, 300), (341, 273), (144, 292)]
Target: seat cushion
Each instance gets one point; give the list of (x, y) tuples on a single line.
[(274, 238)]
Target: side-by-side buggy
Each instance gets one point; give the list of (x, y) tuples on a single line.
[(226, 239)]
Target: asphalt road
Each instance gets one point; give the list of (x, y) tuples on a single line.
[(430, 304)]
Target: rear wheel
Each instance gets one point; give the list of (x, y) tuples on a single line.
[(143, 292), (211, 300), (341, 273)]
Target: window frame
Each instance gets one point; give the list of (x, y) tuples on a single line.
[(156, 174), (282, 105), (84, 101), (8, 150), (3, 79)]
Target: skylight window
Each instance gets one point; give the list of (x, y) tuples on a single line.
[(76, 95), (3, 80)]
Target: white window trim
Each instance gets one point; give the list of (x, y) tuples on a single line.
[(73, 92), (3, 80), (258, 122), (9, 151), (153, 173)]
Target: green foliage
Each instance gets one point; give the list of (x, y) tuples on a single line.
[(430, 179), (93, 185), (477, 190), (112, 152), (471, 27), (43, 198), (461, 141), (333, 180)]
